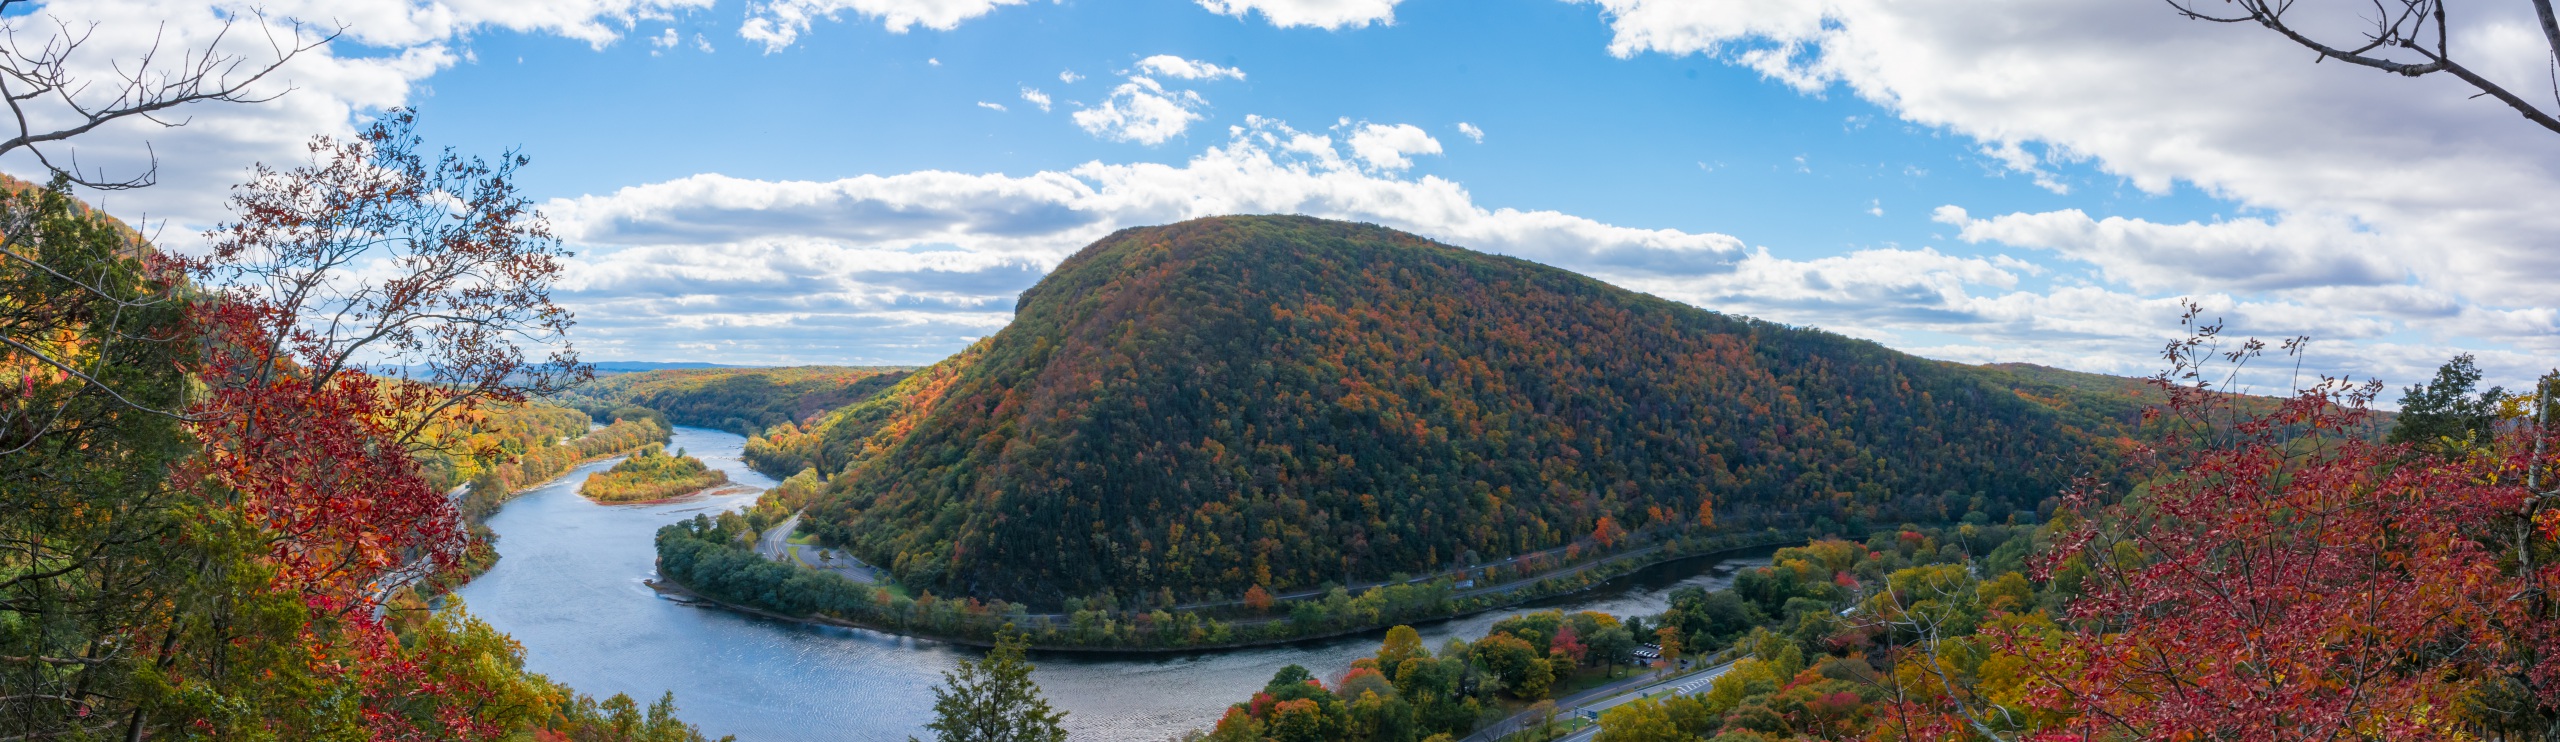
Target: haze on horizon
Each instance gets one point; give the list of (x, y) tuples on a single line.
[(874, 181)]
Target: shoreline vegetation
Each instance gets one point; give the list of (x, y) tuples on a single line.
[(651, 475), (711, 560), (1525, 674), (542, 453)]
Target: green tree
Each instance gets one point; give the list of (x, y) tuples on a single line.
[(2444, 414), (1614, 646), (1402, 643), (1516, 663), (994, 700), (1640, 720)]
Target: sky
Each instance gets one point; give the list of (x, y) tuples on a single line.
[(875, 181)]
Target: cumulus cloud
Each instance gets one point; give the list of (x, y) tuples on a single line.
[(1035, 97), (1167, 65), (2453, 188), (405, 42), (1473, 134), (2397, 211), (777, 24), (1266, 166), (1145, 111), (1142, 111), (1069, 76), (2240, 254), (1325, 14), (924, 260), (1390, 146)]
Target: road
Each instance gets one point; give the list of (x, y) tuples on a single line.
[(776, 545), (1685, 685), (1604, 698)]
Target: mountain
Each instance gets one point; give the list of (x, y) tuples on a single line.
[(633, 367), (1285, 401), (737, 399)]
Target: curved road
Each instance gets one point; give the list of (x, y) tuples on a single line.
[(776, 545), (1604, 698)]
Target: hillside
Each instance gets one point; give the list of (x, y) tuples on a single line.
[(1284, 401), (745, 401)]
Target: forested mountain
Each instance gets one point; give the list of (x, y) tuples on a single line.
[(745, 401), (1284, 401)]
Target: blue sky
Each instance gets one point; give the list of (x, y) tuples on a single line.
[(871, 181), (1650, 141)]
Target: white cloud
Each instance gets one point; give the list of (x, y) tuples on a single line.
[(404, 41), (1069, 76), (915, 263), (1035, 97), (2240, 254), (400, 23), (1875, 207), (1326, 14), (1391, 147), (1473, 134), (998, 107), (666, 39), (1167, 65), (777, 24), (1265, 167), (1143, 111), (903, 268), (2407, 175)]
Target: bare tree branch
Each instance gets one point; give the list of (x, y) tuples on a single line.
[(50, 103), (2418, 27)]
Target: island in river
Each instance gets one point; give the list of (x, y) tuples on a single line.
[(651, 474)]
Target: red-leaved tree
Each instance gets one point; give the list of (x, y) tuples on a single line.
[(2290, 577), (357, 306)]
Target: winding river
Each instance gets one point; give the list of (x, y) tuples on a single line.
[(569, 588)]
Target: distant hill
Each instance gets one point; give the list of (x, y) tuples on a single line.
[(633, 367), (746, 401), (1287, 401)]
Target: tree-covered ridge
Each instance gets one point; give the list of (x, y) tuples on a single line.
[(472, 443), (1285, 401), (854, 434), (652, 474), (745, 401), (499, 482)]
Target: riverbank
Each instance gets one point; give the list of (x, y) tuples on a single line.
[(541, 467), (1208, 634), (570, 590)]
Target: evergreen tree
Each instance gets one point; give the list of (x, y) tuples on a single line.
[(2439, 415), (994, 700)]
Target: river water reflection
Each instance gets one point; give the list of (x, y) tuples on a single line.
[(568, 586)]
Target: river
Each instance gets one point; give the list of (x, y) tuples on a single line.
[(568, 586)]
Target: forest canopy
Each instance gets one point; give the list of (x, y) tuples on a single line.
[(745, 401), (1284, 402)]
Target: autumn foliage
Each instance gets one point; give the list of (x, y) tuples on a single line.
[(2295, 578), (215, 532), (1286, 401)]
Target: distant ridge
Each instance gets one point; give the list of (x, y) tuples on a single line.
[(633, 367)]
